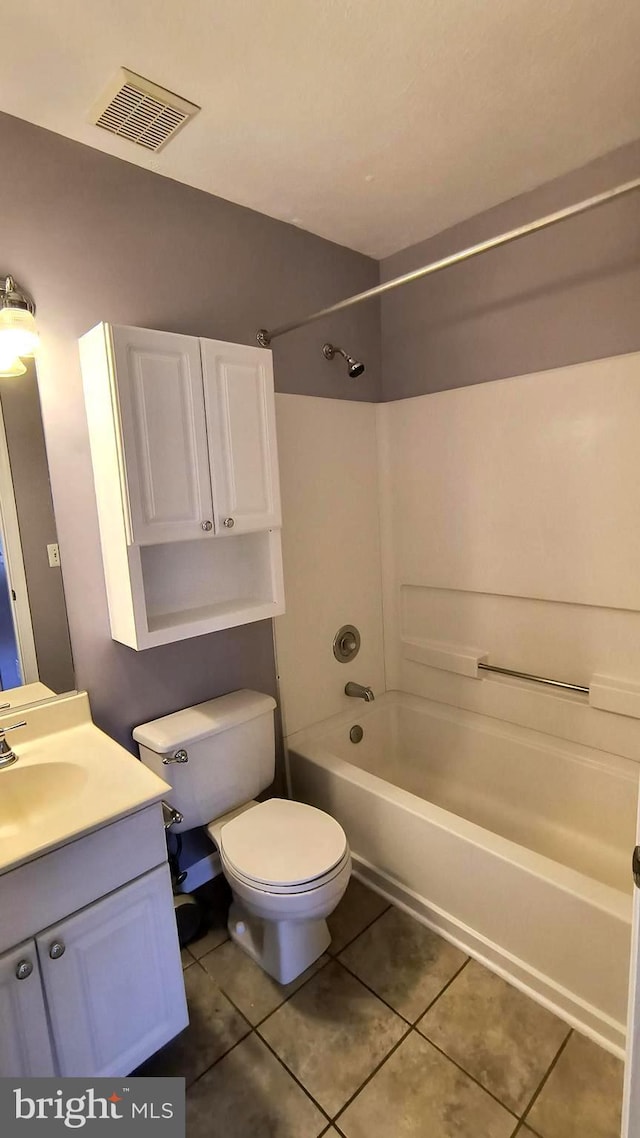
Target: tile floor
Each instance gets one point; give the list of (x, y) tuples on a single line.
[(394, 1033)]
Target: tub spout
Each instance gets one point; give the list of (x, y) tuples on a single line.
[(359, 692)]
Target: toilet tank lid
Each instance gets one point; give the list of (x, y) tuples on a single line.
[(195, 723)]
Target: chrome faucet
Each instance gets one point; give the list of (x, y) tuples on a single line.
[(359, 692), (7, 756)]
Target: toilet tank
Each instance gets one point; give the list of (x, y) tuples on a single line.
[(230, 748)]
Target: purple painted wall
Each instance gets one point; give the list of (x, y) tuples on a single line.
[(94, 238), (568, 294)]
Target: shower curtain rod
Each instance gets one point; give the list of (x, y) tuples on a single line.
[(264, 336)]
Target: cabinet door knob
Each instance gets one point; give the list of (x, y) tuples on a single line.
[(56, 950), (207, 526), (24, 969), (229, 523)]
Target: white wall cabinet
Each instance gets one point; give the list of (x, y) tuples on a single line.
[(184, 454), (238, 389), (109, 978), (166, 482)]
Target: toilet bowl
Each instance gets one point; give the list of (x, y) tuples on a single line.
[(288, 865)]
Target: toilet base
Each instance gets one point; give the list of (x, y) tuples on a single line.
[(284, 949)]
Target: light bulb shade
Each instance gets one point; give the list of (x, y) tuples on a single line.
[(12, 368), (18, 334), (7, 358)]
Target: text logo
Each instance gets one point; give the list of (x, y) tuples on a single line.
[(39, 1108)]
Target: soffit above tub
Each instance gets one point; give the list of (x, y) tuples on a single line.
[(374, 124)]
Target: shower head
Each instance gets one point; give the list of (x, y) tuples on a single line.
[(355, 367)]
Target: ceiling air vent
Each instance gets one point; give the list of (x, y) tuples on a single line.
[(136, 109)]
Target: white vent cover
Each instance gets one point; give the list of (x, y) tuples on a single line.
[(136, 109)]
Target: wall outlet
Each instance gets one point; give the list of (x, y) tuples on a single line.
[(53, 553)]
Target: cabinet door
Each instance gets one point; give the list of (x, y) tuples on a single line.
[(113, 979), (238, 386), (158, 381), (25, 1048)]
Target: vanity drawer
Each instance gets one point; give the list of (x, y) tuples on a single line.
[(59, 883)]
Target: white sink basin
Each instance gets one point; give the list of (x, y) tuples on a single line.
[(70, 778), (30, 795)]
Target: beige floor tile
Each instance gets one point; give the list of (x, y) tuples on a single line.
[(186, 958), (582, 1096), (357, 909), (496, 1033), (248, 1094), (251, 989), (332, 1034), (403, 961), (214, 1027), (418, 1092), (208, 941)]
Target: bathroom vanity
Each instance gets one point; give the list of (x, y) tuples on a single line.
[(90, 973)]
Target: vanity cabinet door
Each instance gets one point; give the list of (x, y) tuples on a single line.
[(158, 380), (238, 390), (25, 1048), (113, 979)]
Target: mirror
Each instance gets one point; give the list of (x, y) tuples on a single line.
[(35, 649)]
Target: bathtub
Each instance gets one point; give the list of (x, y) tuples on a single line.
[(513, 844)]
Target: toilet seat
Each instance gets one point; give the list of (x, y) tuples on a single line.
[(317, 883), (279, 846)]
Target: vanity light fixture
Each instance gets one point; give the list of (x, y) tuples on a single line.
[(12, 368), (18, 333)]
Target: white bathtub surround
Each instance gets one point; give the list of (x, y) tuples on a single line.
[(449, 657), (331, 552), (510, 843), (611, 694), (499, 811), (509, 524), (536, 476)]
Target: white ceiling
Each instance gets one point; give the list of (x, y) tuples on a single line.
[(374, 123)]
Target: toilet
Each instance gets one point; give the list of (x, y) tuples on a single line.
[(288, 864)]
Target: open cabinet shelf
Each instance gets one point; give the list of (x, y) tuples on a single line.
[(193, 587)]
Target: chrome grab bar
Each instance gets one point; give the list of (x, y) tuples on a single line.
[(536, 679)]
